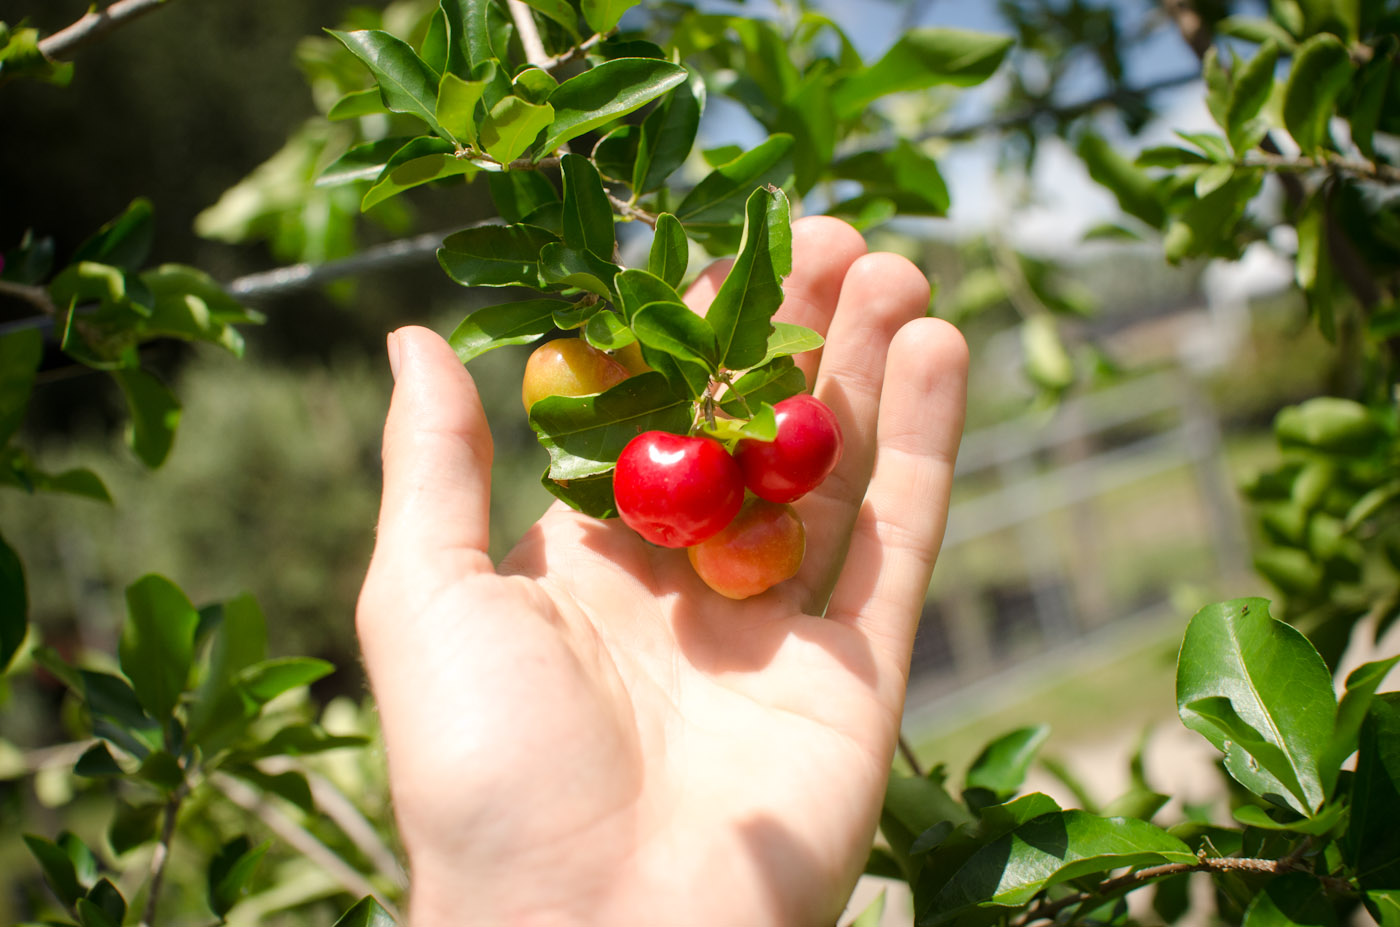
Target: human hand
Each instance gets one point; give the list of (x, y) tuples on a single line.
[(588, 734)]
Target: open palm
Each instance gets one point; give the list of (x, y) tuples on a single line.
[(587, 734)]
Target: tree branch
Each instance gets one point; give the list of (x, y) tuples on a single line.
[(529, 34), (1047, 910), (907, 752), (161, 856), (94, 25), (36, 296), (1366, 170)]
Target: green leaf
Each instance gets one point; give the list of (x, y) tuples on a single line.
[(124, 242), (421, 161), (117, 714), (406, 82), (519, 194), (363, 162), (1290, 900), (133, 825), (1328, 423), (1002, 765), (1254, 30), (588, 216), (1369, 108), (491, 327), (592, 496), (495, 255), (1361, 686), (637, 288), (157, 643), (468, 35), (1049, 849), (14, 604), (1372, 843), (1384, 906), (1253, 83), (742, 311), (105, 897), (1255, 816), (512, 125), (667, 135), (607, 332), (771, 383), (562, 267), (1256, 689), (365, 913), (923, 58), (58, 869), (161, 770), (603, 93), (1322, 68), (456, 106), (719, 197), (290, 785), (266, 680), (912, 806), (229, 872), (299, 739), (367, 102), (670, 250), (220, 712), (585, 435), (1138, 194), (1047, 362), (788, 339), (97, 762), (187, 303), (560, 12), (155, 414), (602, 15), (675, 329)]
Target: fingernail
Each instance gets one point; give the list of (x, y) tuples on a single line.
[(393, 345)]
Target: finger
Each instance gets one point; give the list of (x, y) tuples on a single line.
[(900, 525), (881, 294), (437, 459), (823, 250)]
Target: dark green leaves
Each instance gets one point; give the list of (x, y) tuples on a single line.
[(1002, 765), (675, 329), (155, 414), (923, 58), (588, 217), (407, 83), (229, 872), (495, 255), (1258, 691), (124, 242), (366, 913), (157, 642), (603, 93), (753, 291), (585, 435), (509, 323), (1372, 842), (602, 15), (670, 252)]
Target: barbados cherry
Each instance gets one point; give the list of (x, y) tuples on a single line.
[(568, 367), (760, 548), (804, 453), (675, 490)]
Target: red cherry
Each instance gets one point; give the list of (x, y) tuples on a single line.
[(674, 490), (804, 453)]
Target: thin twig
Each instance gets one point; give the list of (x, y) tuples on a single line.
[(907, 752), (576, 52), (633, 212), (94, 25), (34, 295), (1066, 111), (300, 839), (529, 34), (1366, 170), (161, 856), (1047, 910)]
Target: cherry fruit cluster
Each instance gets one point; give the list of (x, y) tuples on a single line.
[(727, 503)]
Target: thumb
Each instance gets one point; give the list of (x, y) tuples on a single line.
[(437, 459)]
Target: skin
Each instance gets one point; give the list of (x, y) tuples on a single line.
[(568, 367), (585, 733), (760, 548)]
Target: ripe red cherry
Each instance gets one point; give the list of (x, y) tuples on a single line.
[(804, 453), (674, 490), (760, 548)]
